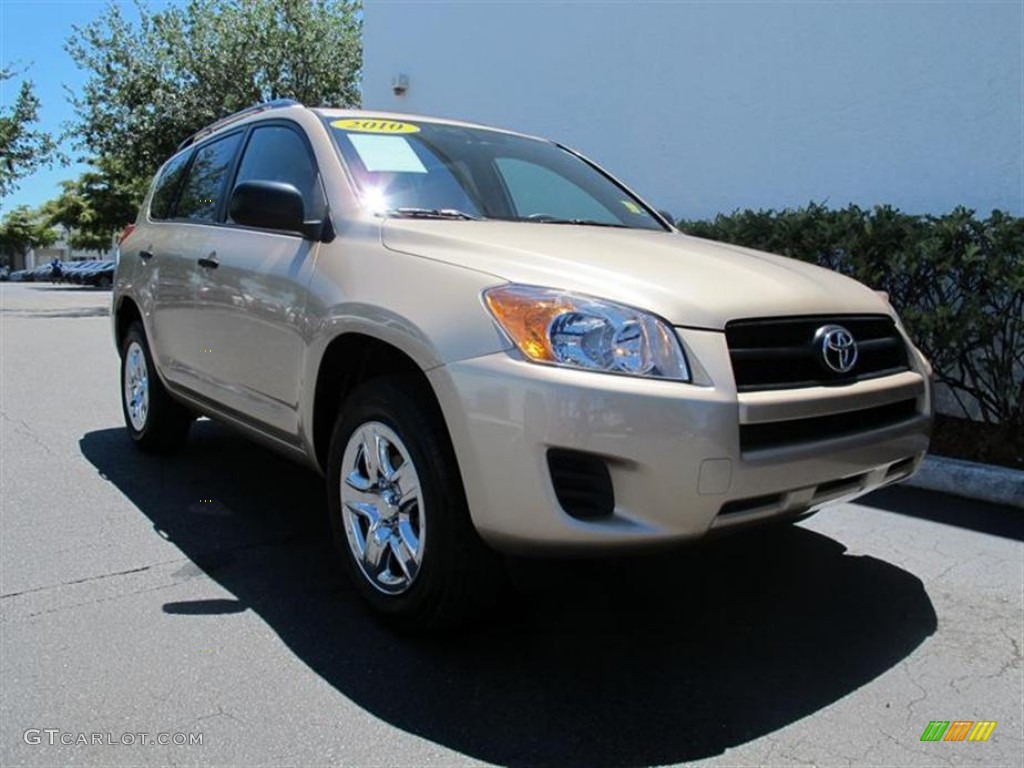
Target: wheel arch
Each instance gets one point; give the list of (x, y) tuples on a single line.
[(126, 313), (350, 359)]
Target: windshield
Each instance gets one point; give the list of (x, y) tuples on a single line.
[(432, 170)]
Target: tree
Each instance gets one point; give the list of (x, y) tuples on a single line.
[(155, 82), (22, 149), (95, 207), (24, 228)]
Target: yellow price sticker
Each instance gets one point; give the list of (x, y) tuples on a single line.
[(632, 207), (369, 125)]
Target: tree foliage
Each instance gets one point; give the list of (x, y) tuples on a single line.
[(23, 149), (95, 207), (154, 82), (957, 281), (23, 228)]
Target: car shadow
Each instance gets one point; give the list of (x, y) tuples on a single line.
[(632, 661), (974, 515)]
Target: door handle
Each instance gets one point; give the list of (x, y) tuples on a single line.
[(210, 261), (145, 255)]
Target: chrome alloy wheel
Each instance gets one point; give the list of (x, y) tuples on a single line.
[(382, 508), (136, 386)]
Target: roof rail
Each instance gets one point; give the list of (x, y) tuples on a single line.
[(255, 108)]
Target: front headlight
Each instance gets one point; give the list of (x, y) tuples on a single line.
[(559, 328)]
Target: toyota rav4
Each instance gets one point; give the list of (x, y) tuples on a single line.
[(488, 344)]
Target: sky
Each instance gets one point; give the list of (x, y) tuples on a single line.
[(32, 35)]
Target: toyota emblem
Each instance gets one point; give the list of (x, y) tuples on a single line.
[(838, 348)]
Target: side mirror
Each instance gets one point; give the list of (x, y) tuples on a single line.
[(668, 217), (272, 205)]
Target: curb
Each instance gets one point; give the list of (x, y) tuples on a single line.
[(984, 482)]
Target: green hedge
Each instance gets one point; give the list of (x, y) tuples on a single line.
[(956, 280)]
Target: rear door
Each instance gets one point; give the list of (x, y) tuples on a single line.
[(179, 250), (251, 293), (164, 277)]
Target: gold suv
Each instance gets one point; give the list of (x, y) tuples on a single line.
[(488, 344)]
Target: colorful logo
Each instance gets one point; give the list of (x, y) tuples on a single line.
[(958, 730), (375, 125)]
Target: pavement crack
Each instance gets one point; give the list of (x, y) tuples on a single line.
[(903, 745), (21, 427), (1006, 667), (220, 713), (1013, 644), (197, 559), (87, 579), (99, 600), (913, 702)]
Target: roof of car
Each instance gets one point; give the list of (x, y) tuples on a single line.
[(411, 118), (337, 113)]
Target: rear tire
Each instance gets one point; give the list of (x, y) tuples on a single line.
[(398, 513), (155, 421)]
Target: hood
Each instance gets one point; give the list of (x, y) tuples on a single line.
[(686, 280)]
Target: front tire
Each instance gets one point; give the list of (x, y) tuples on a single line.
[(156, 422), (398, 512)]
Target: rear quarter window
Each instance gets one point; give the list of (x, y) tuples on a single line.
[(203, 190), (161, 206)]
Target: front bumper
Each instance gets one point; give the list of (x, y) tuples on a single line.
[(673, 450)]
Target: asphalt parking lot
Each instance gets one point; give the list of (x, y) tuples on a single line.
[(196, 595)]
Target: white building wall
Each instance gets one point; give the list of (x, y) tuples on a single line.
[(706, 107)]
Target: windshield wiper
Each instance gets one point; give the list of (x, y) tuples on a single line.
[(580, 222), (431, 213)]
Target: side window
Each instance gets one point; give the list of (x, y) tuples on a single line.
[(167, 186), (538, 190), (204, 187), (277, 153)]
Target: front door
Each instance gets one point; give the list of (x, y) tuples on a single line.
[(252, 291)]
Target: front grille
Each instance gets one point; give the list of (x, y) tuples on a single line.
[(777, 502), (582, 484), (838, 487), (777, 434), (759, 503), (900, 468), (780, 353)]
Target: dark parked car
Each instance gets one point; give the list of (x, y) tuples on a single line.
[(101, 275), (68, 270), (41, 274), (73, 271)]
